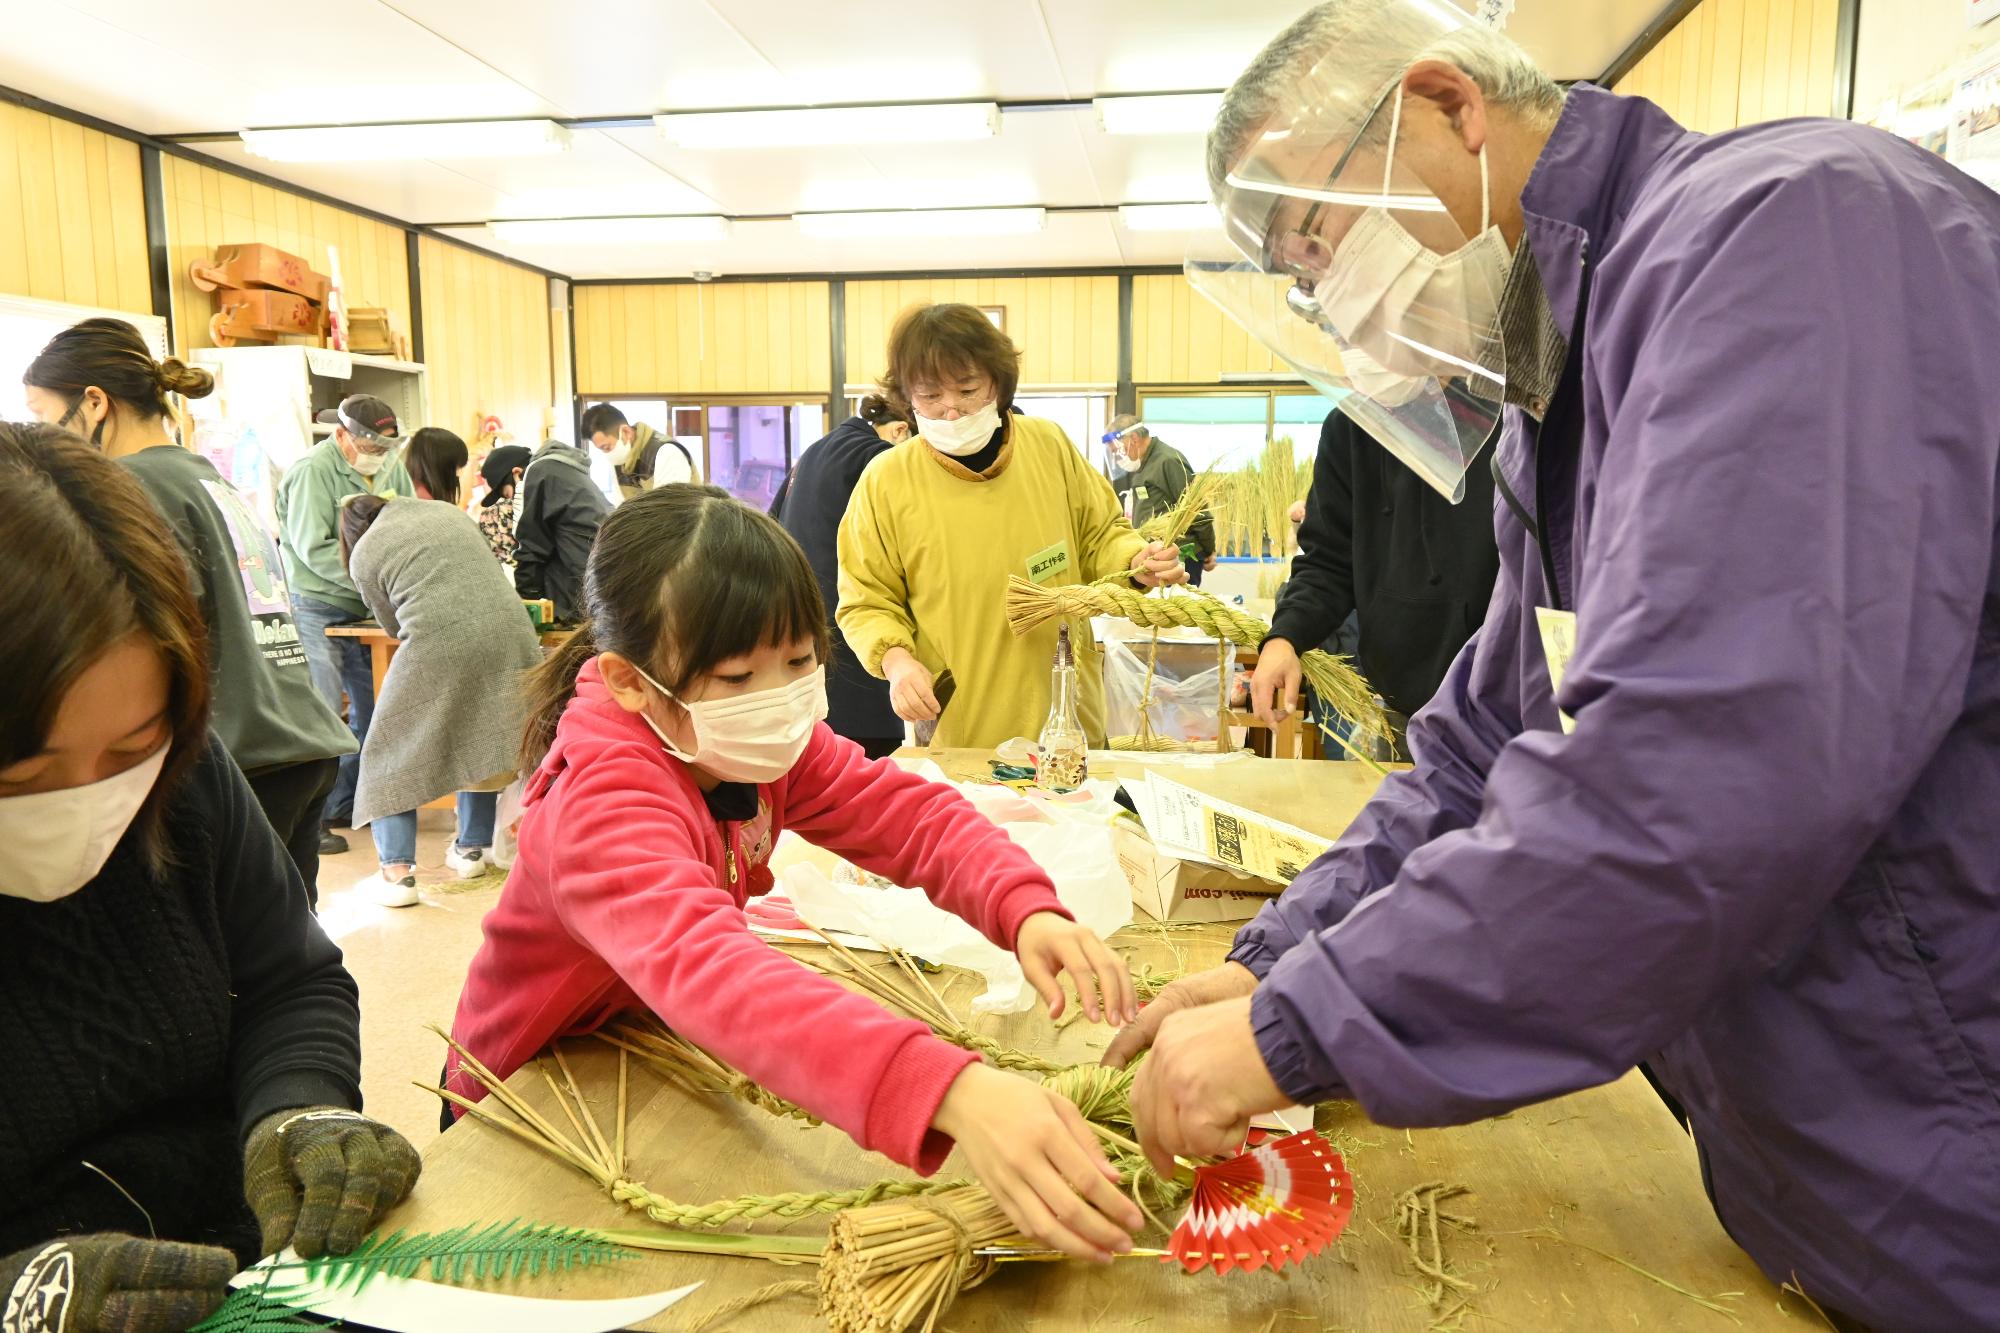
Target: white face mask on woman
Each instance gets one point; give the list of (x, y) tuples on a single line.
[(1417, 312), (967, 435), (753, 737), (52, 843)]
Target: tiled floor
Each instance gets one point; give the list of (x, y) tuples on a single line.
[(409, 964)]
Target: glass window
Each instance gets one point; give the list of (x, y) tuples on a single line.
[(750, 450), (1210, 428)]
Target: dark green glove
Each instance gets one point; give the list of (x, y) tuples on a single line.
[(108, 1283), (319, 1179)]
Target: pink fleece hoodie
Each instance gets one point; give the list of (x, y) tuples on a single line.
[(626, 894)]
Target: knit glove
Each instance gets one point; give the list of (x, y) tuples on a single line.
[(108, 1283), (319, 1179)]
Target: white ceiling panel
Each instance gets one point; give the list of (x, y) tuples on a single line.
[(222, 65)]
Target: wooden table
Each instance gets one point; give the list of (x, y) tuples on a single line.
[(1555, 1189), (382, 645)]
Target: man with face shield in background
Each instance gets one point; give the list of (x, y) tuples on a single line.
[(1746, 459)]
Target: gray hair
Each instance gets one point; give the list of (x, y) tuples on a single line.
[(1378, 40)]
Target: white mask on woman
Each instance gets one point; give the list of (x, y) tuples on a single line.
[(1416, 311), (965, 436), (753, 737), (52, 843)]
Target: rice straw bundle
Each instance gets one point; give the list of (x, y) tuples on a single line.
[(1339, 686), (589, 1152), (689, 1067), (1277, 486), (888, 1266), (1199, 498)]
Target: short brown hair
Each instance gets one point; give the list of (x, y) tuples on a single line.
[(87, 529), (940, 342)]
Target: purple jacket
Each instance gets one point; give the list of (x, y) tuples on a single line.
[(1767, 861)]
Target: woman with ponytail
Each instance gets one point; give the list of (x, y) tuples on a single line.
[(672, 741), (99, 380)]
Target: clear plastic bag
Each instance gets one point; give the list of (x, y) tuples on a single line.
[(1182, 698)]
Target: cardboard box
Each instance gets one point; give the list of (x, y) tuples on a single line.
[(1170, 889)]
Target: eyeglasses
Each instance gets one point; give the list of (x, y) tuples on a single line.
[(1284, 255)]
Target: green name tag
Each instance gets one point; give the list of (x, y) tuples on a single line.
[(1049, 564)]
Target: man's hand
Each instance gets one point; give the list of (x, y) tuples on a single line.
[(1195, 1094), (1049, 945), (1274, 690), (1227, 982), (1158, 565), (910, 686), (1208, 562), (320, 1179)]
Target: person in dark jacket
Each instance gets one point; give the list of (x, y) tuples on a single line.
[(556, 520), (1416, 570), (99, 378), (182, 1042), (1150, 476), (641, 457), (810, 506)]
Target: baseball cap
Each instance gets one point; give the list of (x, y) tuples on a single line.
[(366, 418), (498, 469)]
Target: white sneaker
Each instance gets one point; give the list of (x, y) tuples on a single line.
[(470, 864), (386, 892)]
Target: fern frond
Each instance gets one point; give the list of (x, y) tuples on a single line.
[(254, 1310), (498, 1252)]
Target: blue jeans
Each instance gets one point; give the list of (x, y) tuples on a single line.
[(396, 835), (336, 665)]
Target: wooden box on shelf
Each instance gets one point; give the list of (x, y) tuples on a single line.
[(263, 266)]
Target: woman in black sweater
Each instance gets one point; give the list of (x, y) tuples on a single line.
[(180, 1040)]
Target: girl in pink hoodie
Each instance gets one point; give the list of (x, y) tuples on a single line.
[(670, 741)]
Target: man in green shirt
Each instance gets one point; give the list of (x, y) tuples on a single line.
[(361, 457), (1150, 476)]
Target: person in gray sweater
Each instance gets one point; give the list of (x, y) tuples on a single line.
[(556, 520), (99, 379), (449, 716)]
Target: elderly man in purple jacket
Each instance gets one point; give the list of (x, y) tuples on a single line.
[(1749, 437)]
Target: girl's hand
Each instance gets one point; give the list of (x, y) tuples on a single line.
[(1158, 565), (1049, 945), (1038, 1158)]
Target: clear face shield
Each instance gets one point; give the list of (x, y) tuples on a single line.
[(1338, 257)]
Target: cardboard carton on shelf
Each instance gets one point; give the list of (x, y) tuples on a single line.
[(259, 266), (260, 314), (1168, 888)]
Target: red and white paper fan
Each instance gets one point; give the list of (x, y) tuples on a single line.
[(1277, 1202)]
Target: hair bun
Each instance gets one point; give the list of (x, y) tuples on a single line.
[(176, 376)]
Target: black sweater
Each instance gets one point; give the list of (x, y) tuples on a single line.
[(149, 1023), (560, 512), (1416, 569), (814, 501)]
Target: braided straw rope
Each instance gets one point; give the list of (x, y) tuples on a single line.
[(1339, 685), (758, 1207)]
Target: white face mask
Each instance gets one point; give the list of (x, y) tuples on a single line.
[(967, 435), (620, 453), (54, 842), (750, 737), (368, 464), (1125, 463), (1416, 311)]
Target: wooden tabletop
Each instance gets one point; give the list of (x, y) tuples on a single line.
[(370, 632), (1562, 1196)]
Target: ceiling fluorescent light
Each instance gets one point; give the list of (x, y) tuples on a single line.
[(1169, 217), (1165, 113), (610, 231), (385, 143), (922, 222), (833, 125)]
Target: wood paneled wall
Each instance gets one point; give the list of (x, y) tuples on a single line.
[(486, 341), (72, 214), (1737, 62), (1066, 328), (207, 208), (1180, 337), (720, 338)]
